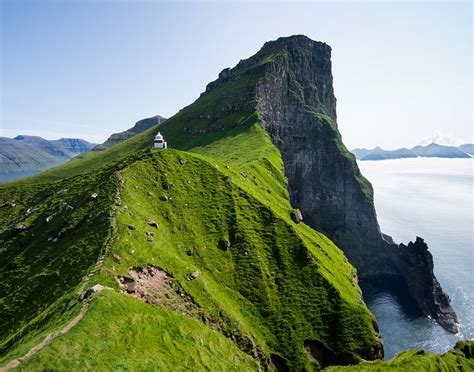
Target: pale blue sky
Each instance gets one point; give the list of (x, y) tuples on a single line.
[(402, 70)]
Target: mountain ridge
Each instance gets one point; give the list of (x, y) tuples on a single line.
[(431, 150), (33, 153)]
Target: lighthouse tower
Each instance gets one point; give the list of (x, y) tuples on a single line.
[(159, 142)]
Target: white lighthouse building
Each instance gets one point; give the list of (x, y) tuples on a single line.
[(159, 142)]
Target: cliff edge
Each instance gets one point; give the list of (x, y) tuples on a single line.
[(297, 106)]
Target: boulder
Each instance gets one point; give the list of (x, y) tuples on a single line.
[(150, 194), (94, 196), (193, 275), (96, 288), (164, 198), (132, 227), (296, 216), (167, 186), (152, 223), (20, 227), (224, 245), (182, 161), (69, 208)]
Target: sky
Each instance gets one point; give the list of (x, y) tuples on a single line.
[(402, 70)]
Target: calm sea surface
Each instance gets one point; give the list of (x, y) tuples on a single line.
[(5, 177), (431, 198)]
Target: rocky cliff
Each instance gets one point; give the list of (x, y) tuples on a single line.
[(139, 127), (297, 106)]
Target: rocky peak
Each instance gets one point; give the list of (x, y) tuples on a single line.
[(296, 102)]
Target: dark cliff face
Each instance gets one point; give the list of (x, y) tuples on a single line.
[(296, 102)]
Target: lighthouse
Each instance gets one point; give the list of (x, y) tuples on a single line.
[(159, 142)]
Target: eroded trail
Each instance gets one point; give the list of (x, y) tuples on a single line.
[(85, 305)]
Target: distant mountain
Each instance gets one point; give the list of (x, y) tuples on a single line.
[(468, 148), (27, 154), (139, 127), (432, 150)]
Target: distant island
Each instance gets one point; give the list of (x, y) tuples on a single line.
[(25, 155), (432, 150)]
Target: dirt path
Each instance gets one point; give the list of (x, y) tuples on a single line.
[(85, 305), (16, 362)]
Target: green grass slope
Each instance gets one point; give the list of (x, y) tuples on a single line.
[(278, 285), (63, 233), (461, 358), (126, 334)]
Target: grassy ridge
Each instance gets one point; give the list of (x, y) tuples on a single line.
[(64, 233), (131, 335), (277, 285), (460, 358)]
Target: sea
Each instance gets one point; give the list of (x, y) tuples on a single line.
[(10, 176), (431, 198)]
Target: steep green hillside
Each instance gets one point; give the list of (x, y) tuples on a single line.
[(461, 358), (141, 337), (277, 287), (50, 235)]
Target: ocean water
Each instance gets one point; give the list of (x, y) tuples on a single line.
[(10, 176), (431, 198)]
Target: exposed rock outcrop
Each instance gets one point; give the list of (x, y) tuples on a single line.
[(296, 103)]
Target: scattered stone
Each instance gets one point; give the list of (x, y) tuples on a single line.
[(224, 244), (152, 223), (190, 252), (69, 208), (150, 193), (149, 239), (50, 218), (96, 288), (151, 233), (94, 196), (182, 161), (167, 186), (55, 240), (129, 284), (8, 204), (132, 227), (164, 198), (20, 227), (50, 239), (296, 216), (193, 275)]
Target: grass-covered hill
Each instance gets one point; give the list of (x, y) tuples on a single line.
[(202, 263)]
